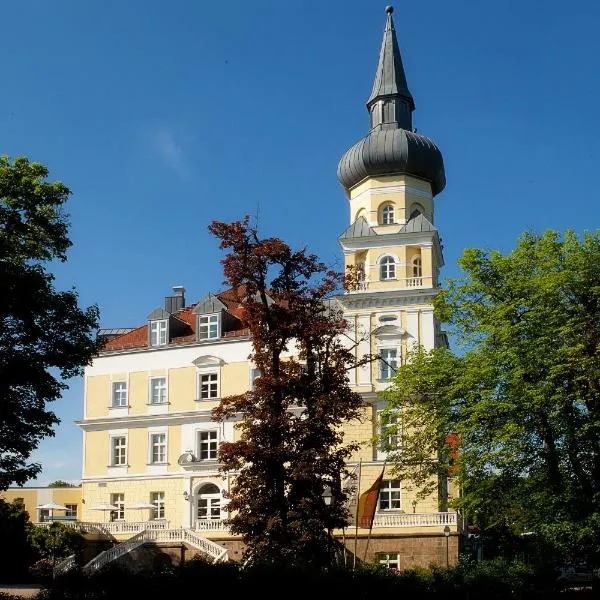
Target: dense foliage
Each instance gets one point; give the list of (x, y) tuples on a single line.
[(18, 553), (524, 397), (494, 580), (44, 336), (290, 451)]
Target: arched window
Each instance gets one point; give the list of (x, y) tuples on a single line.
[(208, 504), (387, 268), (416, 210), (387, 215), (417, 267)]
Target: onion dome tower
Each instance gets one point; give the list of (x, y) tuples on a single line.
[(391, 177)]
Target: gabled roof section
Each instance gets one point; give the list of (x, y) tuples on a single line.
[(157, 314), (360, 228), (418, 224), (209, 304)]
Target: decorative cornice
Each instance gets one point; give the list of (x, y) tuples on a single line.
[(131, 421), (392, 189), (381, 299)]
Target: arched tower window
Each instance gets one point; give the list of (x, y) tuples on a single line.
[(386, 215), (417, 267), (387, 268), (416, 210)]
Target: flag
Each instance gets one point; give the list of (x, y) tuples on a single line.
[(367, 503), (350, 486)]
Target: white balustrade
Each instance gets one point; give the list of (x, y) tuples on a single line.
[(210, 525), (393, 520), (64, 565)]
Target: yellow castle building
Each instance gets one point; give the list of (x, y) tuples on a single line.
[(150, 446)]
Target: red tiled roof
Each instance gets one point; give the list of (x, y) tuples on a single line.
[(138, 338)]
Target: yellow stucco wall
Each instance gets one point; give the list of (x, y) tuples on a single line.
[(96, 453), (33, 497)]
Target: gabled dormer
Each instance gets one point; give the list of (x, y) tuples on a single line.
[(162, 327), (210, 315)]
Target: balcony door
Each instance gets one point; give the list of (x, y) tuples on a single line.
[(208, 506)]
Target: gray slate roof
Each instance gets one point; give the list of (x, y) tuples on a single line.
[(417, 225), (158, 314), (390, 79), (360, 228), (209, 304)]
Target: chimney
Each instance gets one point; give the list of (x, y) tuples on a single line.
[(176, 301)]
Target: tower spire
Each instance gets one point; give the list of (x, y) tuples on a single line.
[(390, 102)]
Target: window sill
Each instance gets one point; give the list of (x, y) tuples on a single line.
[(112, 407), (157, 403), (158, 464), (116, 466), (207, 399)]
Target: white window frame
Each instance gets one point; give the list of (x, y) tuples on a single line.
[(212, 501), (113, 447), (390, 559), (122, 394), (388, 214), (152, 444), (255, 373), (384, 362), (159, 332), (388, 442), (387, 268), (390, 493), (119, 514), (417, 267), (213, 390), (158, 499), (71, 511), (210, 440), (150, 390), (209, 325)]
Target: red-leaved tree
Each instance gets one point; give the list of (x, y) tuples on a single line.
[(290, 455)]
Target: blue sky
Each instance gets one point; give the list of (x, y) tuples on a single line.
[(164, 116)]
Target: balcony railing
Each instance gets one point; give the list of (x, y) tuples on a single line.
[(407, 282), (210, 525), (414, 519)]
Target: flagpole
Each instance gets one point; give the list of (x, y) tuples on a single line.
[(356, 515), (371, 524)]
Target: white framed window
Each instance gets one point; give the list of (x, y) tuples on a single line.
[(158, 499), (208, 327), (388, 362), (387, 268), (158, 390), (387, 214), (389, 560), (208, 385), (118, 451), (43, 515), (158, 333), (208, 444), (119, 393), (388, 432), (71, 511), (117, 500), (208, 505), (254, 375), (389, 495), (158, 448)]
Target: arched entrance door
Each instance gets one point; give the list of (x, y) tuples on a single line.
[(208, 507)]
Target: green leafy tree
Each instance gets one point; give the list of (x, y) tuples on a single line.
[(59, 483), (525, 397), (45, 337), (290, 448), (56, 541)]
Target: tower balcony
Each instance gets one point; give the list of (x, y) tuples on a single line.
[(400, 283)]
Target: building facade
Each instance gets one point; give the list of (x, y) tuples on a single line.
[(150, 446)]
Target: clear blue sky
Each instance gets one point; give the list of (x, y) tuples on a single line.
[(164, 116)]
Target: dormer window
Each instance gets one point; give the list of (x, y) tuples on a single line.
[(158, 333), (208, 327)]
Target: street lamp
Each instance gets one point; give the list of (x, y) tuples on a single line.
[(447, 534)]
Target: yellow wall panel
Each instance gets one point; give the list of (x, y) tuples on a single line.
[(138, 392), (183, 389), (98, 396), (96, 453)]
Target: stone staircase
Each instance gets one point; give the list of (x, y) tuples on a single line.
[(216, 552)]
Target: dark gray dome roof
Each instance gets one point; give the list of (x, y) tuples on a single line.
[(392, 150)]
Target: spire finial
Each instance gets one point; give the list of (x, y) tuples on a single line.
[(389, 9)]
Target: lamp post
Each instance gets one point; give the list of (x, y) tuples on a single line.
[(447, 534), (327, 499)]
